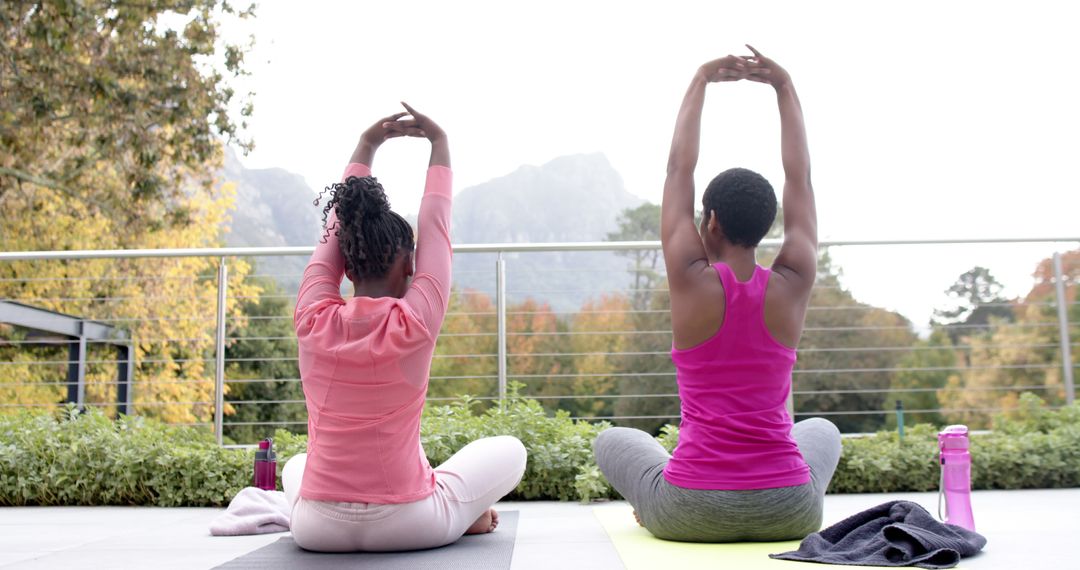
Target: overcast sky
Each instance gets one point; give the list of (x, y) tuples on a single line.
[(925, 119)]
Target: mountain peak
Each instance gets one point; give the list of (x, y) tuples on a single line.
[(570, 198)]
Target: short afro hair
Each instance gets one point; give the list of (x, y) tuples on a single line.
[(745, 205)]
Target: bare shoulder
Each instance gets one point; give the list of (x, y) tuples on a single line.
[(786, 300), (697, 309)]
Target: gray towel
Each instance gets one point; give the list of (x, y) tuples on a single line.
[(898, 533)]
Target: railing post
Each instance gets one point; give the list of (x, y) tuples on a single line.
[(500, 308), (219, 352), (125, 367), (790, 404), (73, 382), (81, 370), (1063, 327)]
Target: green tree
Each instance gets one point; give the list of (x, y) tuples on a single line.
[(975, 300), (263, 374), (848, 355), (641, 224), (106, 107), (924, 371), (111, 133), (644, 377), (1024, 355), (647, 375)]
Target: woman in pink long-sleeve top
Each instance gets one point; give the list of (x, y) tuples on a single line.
[(365, 483)]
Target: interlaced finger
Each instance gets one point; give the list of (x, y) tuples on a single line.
[(394, 117), (412, 111), (400, 125)]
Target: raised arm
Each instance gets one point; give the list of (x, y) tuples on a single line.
[(797, 260), (429, 293), (684, 253), (322, 276)]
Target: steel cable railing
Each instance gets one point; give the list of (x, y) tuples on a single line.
[(602, 354)]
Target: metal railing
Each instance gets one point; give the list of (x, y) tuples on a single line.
[(581, 341)]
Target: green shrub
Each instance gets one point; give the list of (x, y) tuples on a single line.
[(1032, 448), (560, 462), (87, 459), (884, 463)]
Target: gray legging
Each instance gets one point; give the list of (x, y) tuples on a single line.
[(633, 463)]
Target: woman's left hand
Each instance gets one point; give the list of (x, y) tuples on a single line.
[(384, 129), (765, 70), (420, 125)]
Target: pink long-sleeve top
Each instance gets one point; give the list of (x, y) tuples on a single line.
[(364, 364)]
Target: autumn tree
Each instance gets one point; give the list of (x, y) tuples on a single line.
[(107, 110), (595, 343), (1041, 296), (465, 361), (537, 346), (114, 114), (465, 354), (1019, 356)]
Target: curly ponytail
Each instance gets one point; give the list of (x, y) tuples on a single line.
[(369, 233)]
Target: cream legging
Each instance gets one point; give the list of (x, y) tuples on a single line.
[(466, 485)]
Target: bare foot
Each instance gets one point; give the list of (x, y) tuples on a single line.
[(486, 523), (638, 519)]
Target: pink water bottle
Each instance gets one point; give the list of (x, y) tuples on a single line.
[(956, 476), (265, 466)]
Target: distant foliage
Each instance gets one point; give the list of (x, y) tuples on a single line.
[(264, 377), (1014, 351), (848, 355)]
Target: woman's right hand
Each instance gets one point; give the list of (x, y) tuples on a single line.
[(422, 126), (765, 70), (727, 68), (383, 129), (419, 126)]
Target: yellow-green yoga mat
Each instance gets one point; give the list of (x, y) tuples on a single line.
[(639, 549)]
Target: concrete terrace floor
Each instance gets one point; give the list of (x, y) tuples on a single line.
[(1025, 529)]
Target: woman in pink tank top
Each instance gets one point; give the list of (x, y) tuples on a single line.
[(365, 483), (741, 469)]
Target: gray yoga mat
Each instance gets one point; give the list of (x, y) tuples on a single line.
[(483, 551)]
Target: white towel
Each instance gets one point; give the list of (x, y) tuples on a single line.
[(253, 511)]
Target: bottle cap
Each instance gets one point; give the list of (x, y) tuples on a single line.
[(953, 437), (954, 430)]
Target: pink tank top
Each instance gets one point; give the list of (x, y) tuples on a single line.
[(735, 432)]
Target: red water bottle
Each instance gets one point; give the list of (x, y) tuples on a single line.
[(265, 466)]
